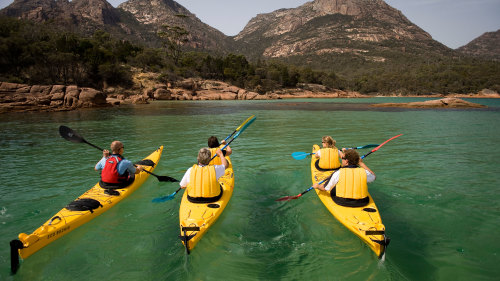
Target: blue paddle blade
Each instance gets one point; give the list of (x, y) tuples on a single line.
[(300, 155), (366, 146), (163, 199)]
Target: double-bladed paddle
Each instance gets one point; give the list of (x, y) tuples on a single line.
[(303, 155), (68, 134), (288, 198), (240, 130)]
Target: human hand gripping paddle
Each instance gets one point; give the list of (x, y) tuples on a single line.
[(288, 198), (240, 130), (303, 155), (69, 134)]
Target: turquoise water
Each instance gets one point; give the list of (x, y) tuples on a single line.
[(436, 189)]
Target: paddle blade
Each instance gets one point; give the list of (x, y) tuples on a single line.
[(300, 155), (167, 179), (146, 162), (288, 198), (366, 146), (70, 135), (166, 198), (246, 121), (163, 199)]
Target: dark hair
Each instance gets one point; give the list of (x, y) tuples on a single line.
[(352, 157), (213, 142)]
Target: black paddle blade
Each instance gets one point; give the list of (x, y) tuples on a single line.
[(146, 162), (167, 178), (70, 135)]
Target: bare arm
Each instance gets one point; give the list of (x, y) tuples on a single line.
[(228, 148), (363, 165), (222, 158)]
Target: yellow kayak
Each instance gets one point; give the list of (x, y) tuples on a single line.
[(86, 207), (364, 221), (196, 218)]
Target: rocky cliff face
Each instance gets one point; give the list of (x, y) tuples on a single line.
[(486, 45), (359, 27), (83, 16), (156, 13)]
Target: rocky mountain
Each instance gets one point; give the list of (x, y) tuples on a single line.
[(82, 16), (156, 13), (370, 30), (135, 20), (486, 45), (318, 33)]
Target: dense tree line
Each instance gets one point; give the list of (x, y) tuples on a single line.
[(43, 54)]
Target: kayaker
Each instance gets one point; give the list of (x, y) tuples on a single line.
[(116, 171), (349, 185), (213, 144), (201, 180), (329, 156)]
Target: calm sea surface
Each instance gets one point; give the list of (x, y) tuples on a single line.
[(437, 189)]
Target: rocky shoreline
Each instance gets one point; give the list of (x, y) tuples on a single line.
[(23, 98), (441, 103)]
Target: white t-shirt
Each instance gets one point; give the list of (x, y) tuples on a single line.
[(219, 172), (336, 176)]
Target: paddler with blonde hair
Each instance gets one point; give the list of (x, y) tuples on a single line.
[(329, 156)]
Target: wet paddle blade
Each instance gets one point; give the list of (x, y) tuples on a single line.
[(163, 199), (366, 146), (300, 155), (146, 162), (288, 198), (70, 135), (167, 179), (166, 198)]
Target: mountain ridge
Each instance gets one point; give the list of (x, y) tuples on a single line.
[(370, 30)]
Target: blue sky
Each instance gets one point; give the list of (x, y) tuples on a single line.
[(451, 22)]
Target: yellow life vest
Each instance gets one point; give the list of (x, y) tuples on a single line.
[(352, 183), (203, 182), (329, 158), (216, 160)]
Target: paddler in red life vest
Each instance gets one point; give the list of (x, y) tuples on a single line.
[(201, 180), (349, 185), (213, 145), (116, 171), (329, 156)]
